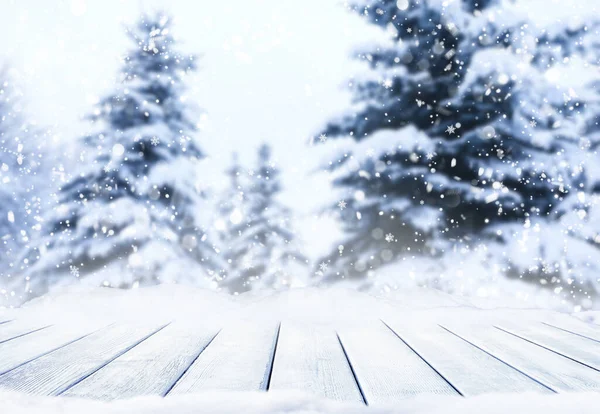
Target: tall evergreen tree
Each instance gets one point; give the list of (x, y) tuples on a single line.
[(459, 137), (128, 216), (259, 242)]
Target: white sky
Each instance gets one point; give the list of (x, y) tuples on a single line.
[(272, 70)]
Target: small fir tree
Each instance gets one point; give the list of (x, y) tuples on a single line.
[(260, 244)]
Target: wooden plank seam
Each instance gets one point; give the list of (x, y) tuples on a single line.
[(112, 359), (422, 358), (272, 361), (360, 389), (190, 365), (546, 347), (24, 333), (501, 360), (571, 332), (50, 351)]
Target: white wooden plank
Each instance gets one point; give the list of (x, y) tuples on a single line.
[(470, 370), (580, 349), (26, 348), (550, 369), (574, 324), (386, 369), (150, 368), (581, 329), (57, 371), (12, 330), (311, 359), (239, 358)]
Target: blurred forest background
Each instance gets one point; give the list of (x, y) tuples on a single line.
[(378, 145)]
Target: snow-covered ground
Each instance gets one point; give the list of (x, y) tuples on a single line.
[(335, 305), (300, 403)]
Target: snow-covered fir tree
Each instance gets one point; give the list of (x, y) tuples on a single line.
[(11, 123), (459, 140), (229, 209), (128, 216), (564, 251), (22, 181), (567, 249), (258, 239)]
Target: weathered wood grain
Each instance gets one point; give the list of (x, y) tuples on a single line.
[(552, 370), (571, 346), (57, 371), (23, 349), (387, 370), (239, 358), (151, 368), (13, 330), (470, 370), (584, 330), (311, 359)]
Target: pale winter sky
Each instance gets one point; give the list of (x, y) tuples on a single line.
[(272, 70)]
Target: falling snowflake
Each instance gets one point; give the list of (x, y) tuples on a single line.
[(370, 152), (248, 263), (409, 30), (322, 137), (450, 130), (420, 102), (323, 266), (430, 155), (107, 168), (533, 123), (74, 271), (387, 83), (154, 141), (389, 237), (342, 205)]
